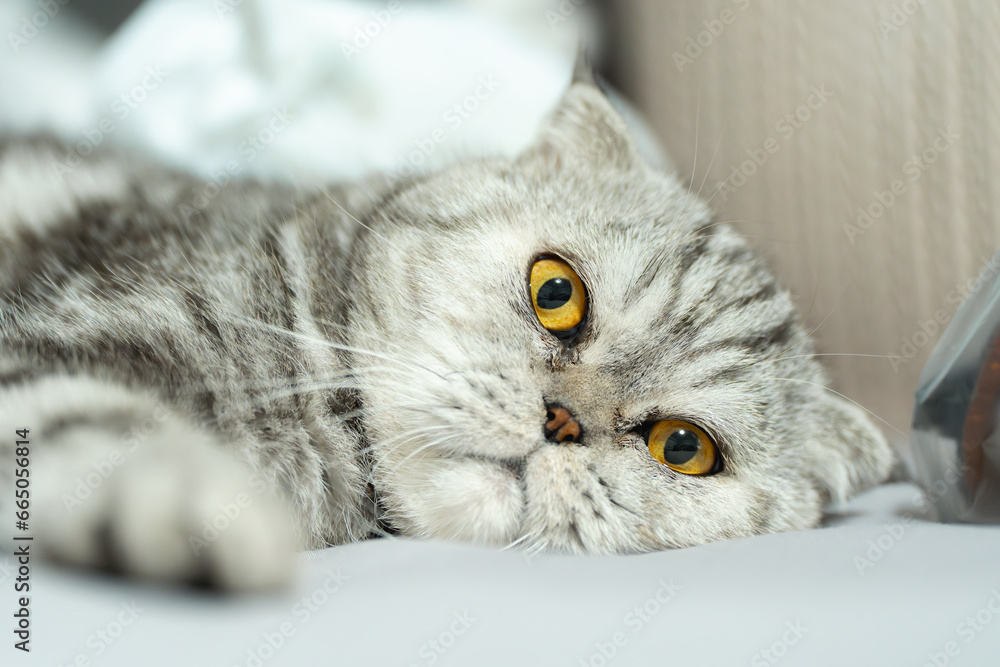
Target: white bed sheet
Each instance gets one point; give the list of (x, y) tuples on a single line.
[(872, 588)]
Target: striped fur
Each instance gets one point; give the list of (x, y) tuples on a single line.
[(366, 358)]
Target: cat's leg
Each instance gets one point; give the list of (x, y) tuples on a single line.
[(118, 479)]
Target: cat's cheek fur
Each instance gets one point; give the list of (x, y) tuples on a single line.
[(466, 500), (611, 500), (849, 456)]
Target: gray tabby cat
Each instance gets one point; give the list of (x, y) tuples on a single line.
[(562, 351)]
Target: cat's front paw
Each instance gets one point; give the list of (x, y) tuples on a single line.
[(123, 482), (197, 517)]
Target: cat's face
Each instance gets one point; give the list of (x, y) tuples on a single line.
[(680, 322)]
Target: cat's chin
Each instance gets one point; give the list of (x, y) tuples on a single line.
[(467, 500)]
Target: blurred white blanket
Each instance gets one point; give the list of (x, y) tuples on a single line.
[(286, 88)]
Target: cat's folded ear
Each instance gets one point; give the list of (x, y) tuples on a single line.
[(584, 129), (848, 454)]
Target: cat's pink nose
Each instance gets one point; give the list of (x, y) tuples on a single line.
[(560, 426)]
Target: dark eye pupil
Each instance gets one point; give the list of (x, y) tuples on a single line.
[(554, 293), (680, 447)]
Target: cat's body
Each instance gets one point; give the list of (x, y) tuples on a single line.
[(372, 352)]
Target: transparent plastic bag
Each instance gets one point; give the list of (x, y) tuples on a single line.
[(956, 442)]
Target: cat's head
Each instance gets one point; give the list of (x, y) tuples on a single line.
[(579, 282)]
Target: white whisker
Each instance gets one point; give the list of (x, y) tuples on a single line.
[(327, 194), (832, 391), (711, 162)]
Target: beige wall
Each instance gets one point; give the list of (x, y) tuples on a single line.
[(894, 92)]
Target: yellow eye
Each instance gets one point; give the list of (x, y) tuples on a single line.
[(682, 447), (558, 296)]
